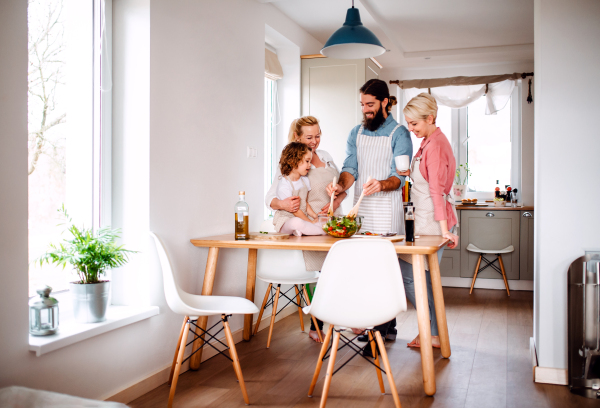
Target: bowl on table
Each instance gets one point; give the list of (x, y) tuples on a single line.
[(342, 227)]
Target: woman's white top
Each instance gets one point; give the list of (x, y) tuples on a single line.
[(287, 187), (272, 193)]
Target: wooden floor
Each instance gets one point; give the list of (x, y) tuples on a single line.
[(490, 365)]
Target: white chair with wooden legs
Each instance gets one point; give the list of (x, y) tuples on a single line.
[(369, 268), (277, 267), (498, 253), (193, 306)]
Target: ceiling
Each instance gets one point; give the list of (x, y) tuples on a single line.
[(428, 33)]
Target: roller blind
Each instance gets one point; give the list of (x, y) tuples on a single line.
[(272, 66)]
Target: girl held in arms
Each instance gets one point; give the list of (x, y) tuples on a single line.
[(294, 164)]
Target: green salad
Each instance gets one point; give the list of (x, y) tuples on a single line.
[(341, 227)]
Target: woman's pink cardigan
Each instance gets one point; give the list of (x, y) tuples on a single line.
[(438, 167)]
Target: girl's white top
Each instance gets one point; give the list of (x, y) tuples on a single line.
[(285, 189)]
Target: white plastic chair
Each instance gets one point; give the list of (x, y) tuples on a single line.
[(498, 253), (370, 269), (279, 267), (192, 306)]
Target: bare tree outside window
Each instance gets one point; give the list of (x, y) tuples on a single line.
[(47, 135)]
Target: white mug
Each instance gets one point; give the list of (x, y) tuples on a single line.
[(402, 162)]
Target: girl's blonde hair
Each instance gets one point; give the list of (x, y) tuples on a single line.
[(296, 126), (420, 107)]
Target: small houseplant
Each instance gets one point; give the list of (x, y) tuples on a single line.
[(90, 254), (460, 179)]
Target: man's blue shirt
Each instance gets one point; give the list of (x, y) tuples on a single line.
[(401, 145)]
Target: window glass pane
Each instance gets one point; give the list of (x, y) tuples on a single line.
[(60, 127), (488, 147), (269, 135)]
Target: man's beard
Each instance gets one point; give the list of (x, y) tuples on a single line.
[(375, 122)]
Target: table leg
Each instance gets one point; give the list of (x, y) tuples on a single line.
[(440, 308), (207, 287), (250, 286), (424, 324)]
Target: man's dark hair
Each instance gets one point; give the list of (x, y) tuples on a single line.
[(380, 91)]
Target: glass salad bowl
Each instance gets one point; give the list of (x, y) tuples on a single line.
[(342, 227)]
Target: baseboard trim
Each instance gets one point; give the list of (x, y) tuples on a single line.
[(136, 390), (514, 284), (549, 375), (546, 375)]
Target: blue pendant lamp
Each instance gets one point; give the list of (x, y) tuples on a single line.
[(353, 40)]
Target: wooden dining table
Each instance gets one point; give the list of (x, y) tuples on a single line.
[(424, 246)]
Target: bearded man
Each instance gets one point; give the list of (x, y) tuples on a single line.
[(370, 152)]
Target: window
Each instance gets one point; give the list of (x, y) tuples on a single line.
[(488, 147), (270, 153), (67, 131)]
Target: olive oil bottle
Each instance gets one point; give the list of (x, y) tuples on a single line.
[(241, 218)]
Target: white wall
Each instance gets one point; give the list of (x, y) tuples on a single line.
[(195, 100), (567, 56), (527, 117)]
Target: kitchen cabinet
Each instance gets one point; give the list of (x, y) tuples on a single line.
[(490, 229), (330, 92), (450, 263), (526, 261)]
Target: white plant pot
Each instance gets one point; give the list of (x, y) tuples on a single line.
[(90, 301), (460, 191)]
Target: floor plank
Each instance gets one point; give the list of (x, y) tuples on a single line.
[(490, 365)]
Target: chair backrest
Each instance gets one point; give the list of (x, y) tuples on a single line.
[(273, 263), (267, 226), (173, 292), (360, 284)]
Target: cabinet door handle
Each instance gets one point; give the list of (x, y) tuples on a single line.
[(489, 214), (527, 215)]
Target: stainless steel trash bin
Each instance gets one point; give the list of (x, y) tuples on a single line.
[(584, 325)]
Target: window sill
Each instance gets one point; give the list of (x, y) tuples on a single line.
[(71, 332)]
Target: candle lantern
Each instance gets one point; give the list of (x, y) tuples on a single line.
[(43, 313)]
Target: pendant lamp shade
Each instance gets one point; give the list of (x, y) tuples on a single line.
[(353, 40)]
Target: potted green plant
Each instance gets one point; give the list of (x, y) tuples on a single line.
[(460, 179), (90, 254)]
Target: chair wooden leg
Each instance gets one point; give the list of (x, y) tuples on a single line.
[(185, 319), (503, 273), (374, 351), (314, 319), (299, 308), (388, 369), (475, 275), (178, 365), (320, 360), (236, 360), (330, 367), (262, 309), (273, 313)]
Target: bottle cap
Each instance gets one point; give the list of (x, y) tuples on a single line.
[(242, 193)]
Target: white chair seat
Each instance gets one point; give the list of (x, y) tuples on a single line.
[(506, 250), (291, 278), (197, 305)]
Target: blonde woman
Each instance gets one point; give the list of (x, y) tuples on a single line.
[(432, 171), (306, 130)]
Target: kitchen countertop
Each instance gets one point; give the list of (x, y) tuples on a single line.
[(491, 207)]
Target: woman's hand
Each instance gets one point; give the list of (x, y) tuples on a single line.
[(452, 237), (403, 173), (290, 204)]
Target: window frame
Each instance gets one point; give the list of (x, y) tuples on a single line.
[(270, 137)]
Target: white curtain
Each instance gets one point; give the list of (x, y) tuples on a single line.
[(497, 96)]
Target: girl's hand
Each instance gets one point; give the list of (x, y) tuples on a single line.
[(452, 237), (403, 173)]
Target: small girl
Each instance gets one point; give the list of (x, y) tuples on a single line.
[(295, 164)]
